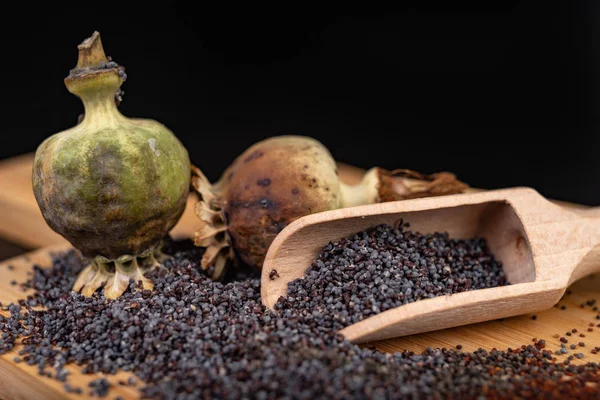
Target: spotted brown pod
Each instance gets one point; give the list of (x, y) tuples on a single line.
[(281, 179)]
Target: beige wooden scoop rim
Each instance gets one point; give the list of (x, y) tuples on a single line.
[(543, 247)]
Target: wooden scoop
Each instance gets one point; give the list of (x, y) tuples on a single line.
[(543, 247)]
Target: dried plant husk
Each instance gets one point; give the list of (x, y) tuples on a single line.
[(281, 179), (111, 185)]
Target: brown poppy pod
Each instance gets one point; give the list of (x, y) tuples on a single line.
[(281, 179)]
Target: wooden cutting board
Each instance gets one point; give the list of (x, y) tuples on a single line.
[(20, 381), (21, 221)]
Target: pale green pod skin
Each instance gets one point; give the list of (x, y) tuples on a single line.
[(112, 186)]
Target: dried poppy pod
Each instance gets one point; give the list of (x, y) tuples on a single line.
[(281, 179), (112, 186)]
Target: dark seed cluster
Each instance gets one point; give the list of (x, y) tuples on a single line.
[(99, 387), (386, 267), (122, 74), (193, 338), (112, 64)]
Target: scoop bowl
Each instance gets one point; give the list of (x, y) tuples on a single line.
[(543, 247)]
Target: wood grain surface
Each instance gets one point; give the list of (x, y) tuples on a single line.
[(21, 222)]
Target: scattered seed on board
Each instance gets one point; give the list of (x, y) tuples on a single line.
[(99, 387), (273, 274)]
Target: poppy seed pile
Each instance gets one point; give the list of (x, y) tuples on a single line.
[(386, 267), (193, 338)]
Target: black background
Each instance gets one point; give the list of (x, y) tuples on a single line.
[(502, 96)]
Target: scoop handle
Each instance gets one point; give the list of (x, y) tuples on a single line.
[(588, 238)]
